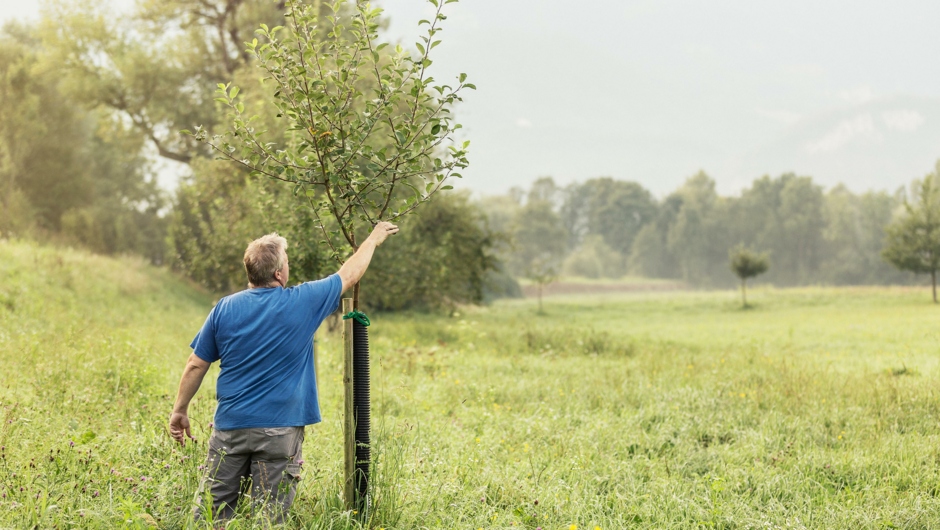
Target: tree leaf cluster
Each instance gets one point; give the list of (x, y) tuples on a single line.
[(370, 135), (746, 263)]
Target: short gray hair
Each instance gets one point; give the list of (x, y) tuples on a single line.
[(263, 257)]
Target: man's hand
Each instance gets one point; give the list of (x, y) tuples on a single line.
[(356, 266), (179, 424), (382, 230), (195, 370)]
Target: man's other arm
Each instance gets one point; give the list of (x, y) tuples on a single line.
[(355, 267), (193, 374)]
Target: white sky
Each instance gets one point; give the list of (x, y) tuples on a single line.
[(654, 90)]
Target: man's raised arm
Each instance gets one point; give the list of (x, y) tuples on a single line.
[(351, 271)]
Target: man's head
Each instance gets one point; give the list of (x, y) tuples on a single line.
[(266, 261)]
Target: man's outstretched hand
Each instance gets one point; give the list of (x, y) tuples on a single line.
[(382, 230), (179, 425)]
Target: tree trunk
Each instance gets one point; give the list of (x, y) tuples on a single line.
[(540, 298), (744, 292), (355, 248)]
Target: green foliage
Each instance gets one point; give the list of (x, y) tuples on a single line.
[(220, 211), (157, 68), (854, 236), (913, 240), (370, 133), (66, 173), (594, 259), (539, 241), (615, 210), (693, 239), (834, 237), (42, 135), (746, 263), (441, 258)]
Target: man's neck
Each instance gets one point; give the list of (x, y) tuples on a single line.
[(266, 286)]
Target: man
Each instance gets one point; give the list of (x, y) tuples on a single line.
[(266, 388)]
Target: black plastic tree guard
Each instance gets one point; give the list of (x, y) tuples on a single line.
[(362, 407)]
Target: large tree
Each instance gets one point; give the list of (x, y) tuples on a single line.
[(615, 210), (913, 239), (66, 170), (158, 67)]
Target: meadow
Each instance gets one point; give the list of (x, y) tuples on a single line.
[(816, 408)]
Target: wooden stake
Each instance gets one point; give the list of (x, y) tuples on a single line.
[(349, 422)]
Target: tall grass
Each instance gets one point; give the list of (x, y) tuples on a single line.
[(816, 409)]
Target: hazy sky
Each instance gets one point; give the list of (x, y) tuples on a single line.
[(653, 91)]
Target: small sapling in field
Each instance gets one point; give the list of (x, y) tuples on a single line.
[(745, 264)]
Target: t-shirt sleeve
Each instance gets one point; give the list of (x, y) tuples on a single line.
[(323, 296), (203, 344)]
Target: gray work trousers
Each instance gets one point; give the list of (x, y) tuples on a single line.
[(269, 457)]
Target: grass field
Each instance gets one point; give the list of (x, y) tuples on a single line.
[(817, 408)]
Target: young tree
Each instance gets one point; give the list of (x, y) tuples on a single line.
[(370, 134), (747, 264), (913, 239), (540, 243)]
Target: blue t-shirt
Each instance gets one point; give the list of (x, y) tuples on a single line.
[(264, 338)]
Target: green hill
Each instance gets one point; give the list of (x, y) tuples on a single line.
[(91, 349)]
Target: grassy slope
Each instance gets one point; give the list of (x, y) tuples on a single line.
[(91, 350), (816, 409)]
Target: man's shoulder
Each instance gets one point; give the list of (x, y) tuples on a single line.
[(323, 285), (232, 298)]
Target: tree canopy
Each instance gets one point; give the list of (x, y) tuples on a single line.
[(913, 240)]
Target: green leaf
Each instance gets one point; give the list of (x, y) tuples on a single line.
[(436, 129), (234, 93), (447, 187), (463, 77)]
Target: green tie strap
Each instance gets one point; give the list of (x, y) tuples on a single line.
[(358, 316)]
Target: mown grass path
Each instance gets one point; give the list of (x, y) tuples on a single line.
[(815, 409)]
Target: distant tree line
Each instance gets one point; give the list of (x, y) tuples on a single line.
[(611, 228)]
